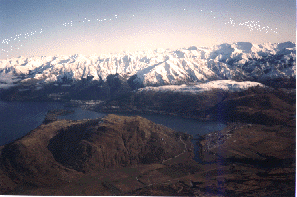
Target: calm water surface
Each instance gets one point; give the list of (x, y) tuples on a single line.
[(189, 126), (19, 118)]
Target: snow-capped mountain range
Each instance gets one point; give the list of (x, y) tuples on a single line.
[(238, 61)]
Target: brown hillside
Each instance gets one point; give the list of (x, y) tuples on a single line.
[(61, 151)]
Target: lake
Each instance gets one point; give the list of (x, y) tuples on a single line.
[(177, 123), (19, 118)]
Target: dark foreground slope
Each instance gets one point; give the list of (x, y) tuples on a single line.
[(261, 159), (56, 155), (120, 155)]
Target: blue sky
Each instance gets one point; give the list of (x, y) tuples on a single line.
[(65, 27)]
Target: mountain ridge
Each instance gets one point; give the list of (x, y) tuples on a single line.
[(242, 61)]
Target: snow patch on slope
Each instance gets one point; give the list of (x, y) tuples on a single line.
[(226, 85)]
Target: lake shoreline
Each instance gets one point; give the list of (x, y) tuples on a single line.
[(101, 108), (26, 116)]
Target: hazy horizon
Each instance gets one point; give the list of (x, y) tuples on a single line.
[(47, 28)]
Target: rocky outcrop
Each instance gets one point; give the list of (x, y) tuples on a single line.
[(63, 150)]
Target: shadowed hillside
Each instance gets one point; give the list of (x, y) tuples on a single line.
[(58, 152)]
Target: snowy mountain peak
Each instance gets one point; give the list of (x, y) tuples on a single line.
[(237, 61)]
